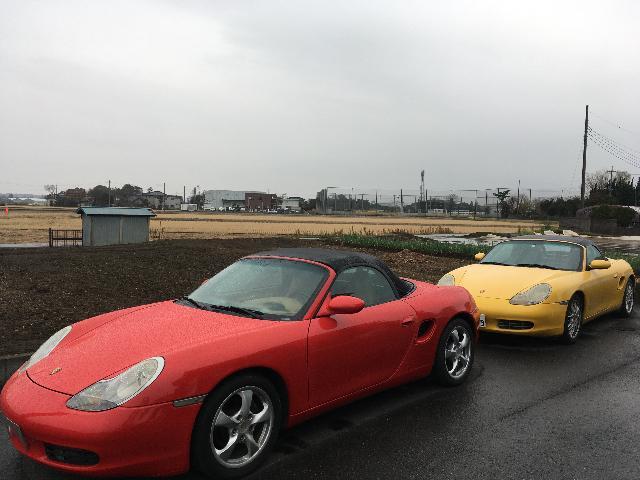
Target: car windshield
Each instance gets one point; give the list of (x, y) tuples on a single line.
[(536, 254), (269, 288)]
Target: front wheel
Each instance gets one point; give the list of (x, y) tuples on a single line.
[(628, 298), (573, 320), (237, 427), (455, 354)]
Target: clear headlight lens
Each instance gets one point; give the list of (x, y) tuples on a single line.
[(447, 280), (110, 393), (536, 294), (47, 347)]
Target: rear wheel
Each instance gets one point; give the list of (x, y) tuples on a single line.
[(628, 298), (455, 354), (573, 320), (237, 427)]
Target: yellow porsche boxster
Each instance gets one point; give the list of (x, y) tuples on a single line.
[(545, 285)]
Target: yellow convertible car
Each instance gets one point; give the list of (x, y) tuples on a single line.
[(545, 285)]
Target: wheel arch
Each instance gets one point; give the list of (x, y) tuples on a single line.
[(270, 374), (467, 317)]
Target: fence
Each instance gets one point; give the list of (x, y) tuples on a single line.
[(65, 238)]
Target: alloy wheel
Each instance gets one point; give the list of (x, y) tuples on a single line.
[(241, 427), (629, 297), (574, 318), (458, 352)]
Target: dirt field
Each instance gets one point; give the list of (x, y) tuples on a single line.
[(42, 289), (32, 224)]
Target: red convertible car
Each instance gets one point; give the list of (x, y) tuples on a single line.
[(210, 379)]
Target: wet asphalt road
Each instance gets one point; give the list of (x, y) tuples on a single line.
[(531, 409)]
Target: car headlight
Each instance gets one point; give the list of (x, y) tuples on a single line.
[(47, 347), (447, 280), (536, 294), (112, 392)]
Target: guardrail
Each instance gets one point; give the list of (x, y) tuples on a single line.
[(64, 238)]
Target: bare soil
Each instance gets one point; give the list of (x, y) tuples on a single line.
[(43, 289)]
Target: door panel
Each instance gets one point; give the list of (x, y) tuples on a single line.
[(350, 352), (599, 288)]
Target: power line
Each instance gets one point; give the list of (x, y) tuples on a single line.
[(615, 142), (617, 125), (615, 151)]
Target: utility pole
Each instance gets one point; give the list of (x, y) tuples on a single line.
[(401, 202), (518, 202), (164, 192), (109, 192), (376, 200), (611, 172), (584, 154), (184, 194)]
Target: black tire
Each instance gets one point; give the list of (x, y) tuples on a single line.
[(573, 320), (207, 437), (626, 309), (444, 370)]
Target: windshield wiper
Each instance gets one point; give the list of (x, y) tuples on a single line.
[(232, 308), (497, 263), (195, 303), (536, 265)]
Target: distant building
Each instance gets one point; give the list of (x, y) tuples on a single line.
[(225, 199), (293, 203), (158, 201), (114, 225), (256, 201)]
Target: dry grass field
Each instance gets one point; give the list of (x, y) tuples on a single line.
[(31, 224)]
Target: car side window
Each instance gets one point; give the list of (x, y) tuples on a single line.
[(593, 253), (366, 283)]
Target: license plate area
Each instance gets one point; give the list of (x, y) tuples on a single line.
[(483, 320)]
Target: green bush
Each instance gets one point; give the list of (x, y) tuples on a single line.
[(624, 216)]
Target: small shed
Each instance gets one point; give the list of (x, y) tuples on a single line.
[(114, 225)]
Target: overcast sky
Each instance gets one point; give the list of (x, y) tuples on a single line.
[(290, 96)]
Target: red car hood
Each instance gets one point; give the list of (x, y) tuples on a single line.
[(126, 339)]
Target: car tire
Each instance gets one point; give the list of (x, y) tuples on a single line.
[(628, 298), (237, 427), (455, 353), (573, 320)]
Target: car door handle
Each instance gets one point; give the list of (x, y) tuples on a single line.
[(408, 321)]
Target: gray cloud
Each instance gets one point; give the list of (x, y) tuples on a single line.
[(291, 96)]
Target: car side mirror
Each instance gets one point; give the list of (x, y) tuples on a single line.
[(599, 264), (345, 304), (479, 256)]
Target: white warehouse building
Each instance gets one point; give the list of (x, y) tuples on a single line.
[(220, 199)]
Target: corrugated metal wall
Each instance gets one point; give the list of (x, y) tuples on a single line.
[(100, 230), (135, 229)]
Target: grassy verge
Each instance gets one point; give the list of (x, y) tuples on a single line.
[(433, 247), (430, 247)]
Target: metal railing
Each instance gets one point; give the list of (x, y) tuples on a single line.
[(65, 238)]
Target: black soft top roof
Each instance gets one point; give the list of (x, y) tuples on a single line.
[(585, 242), (340, 260)]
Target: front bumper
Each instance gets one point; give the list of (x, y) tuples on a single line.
[(544, 319), (142, 441)]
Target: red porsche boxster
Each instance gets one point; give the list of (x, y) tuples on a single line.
[(209, 380)]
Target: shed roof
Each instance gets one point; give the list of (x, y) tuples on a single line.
[(116, 211)]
